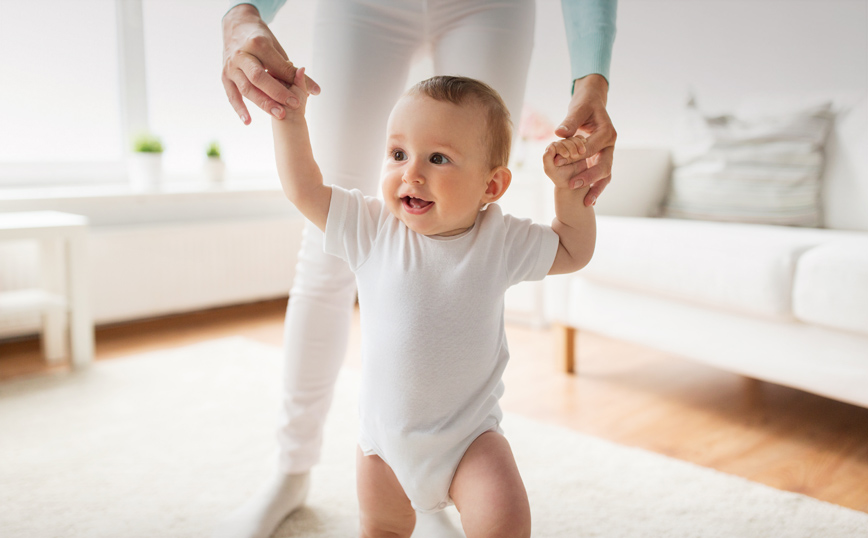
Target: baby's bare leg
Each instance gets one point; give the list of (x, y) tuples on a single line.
[(385, 508), (488, 491)]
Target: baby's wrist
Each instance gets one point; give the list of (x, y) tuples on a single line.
[(566, 192), (560, 184)]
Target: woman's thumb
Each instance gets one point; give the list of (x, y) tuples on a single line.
[(567, 128)]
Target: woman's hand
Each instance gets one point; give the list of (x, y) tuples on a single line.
[(587, 115), (254, 63)]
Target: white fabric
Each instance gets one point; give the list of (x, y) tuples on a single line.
[(362, 53), (831, 286), (824, 361), (763, 169), (845, 180), (743, 268), (433, 340)]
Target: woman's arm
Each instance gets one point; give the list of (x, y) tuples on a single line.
[(590, 28), (267, 8)]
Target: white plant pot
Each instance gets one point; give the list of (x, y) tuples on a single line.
[(215, 171), (146, 171)]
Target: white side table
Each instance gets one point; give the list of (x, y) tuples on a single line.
[(63, 293)]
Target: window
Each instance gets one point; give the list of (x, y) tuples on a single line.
[(187, 103), (59, 113), (84, 72)]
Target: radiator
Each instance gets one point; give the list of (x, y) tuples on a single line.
[(152, 270)]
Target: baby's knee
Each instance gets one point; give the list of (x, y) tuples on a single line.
[(503, 521), (510, 523), (373, 528), (515, 525), (385, 511)]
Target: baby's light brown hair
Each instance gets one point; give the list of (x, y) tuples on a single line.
[(462, 91)]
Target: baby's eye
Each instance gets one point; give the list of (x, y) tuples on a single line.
[(399, 155), (438, 158)]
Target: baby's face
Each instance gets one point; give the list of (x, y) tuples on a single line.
[(436, 170)]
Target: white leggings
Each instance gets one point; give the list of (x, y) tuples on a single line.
[(362, 53)]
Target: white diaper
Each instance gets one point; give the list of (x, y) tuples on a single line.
[(424, 463)]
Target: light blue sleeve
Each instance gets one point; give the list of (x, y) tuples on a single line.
[(267, 8), (590, 26)]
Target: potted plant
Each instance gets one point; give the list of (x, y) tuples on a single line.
[(146, 163), (215, 169)]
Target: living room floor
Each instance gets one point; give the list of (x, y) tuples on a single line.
[(628, 394)]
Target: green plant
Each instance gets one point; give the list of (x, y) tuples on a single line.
[(213, 149), (147, 143)]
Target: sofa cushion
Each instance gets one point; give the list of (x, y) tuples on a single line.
[(757, 169), (831, 286), (742, 268)]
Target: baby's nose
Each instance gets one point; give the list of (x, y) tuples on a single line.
[(413, 175)]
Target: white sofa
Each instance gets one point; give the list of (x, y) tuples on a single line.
[(782, 304)]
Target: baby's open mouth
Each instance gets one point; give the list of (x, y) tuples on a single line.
[(415, 205)]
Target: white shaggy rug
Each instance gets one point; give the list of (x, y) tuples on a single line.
[(165, 444)]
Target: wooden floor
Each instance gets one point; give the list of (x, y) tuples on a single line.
[(628, 394)]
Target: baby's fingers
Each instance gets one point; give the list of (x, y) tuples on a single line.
[(569, 150), (560, 149), (559, 169), (301, 86), (300, 80)]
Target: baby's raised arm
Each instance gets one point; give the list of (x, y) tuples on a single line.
[(574, 222), (299, 174)]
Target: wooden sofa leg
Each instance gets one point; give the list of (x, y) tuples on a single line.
[(568, 348)]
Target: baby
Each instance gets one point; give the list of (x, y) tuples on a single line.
[(432, 260)]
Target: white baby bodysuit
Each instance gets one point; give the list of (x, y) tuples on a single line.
[(433, 340)]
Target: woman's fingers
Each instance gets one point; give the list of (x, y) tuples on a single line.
[(236, 100), (596, 190), (259, 80), (312, 87), (246, 88), (599, 168)]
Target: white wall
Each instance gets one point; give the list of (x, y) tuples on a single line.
[(725, 50)]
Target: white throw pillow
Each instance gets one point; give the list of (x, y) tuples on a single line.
[(762, 169), (845, 180)]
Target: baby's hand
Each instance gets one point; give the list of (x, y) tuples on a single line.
[(564, 159), (300, 90)]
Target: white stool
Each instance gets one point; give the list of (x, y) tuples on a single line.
[(63, 291)]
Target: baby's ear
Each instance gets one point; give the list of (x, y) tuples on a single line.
[(498, 182)]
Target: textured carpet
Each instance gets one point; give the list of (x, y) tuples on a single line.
[(164, 444)]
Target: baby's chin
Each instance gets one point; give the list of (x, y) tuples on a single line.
[(426, 226), (415, 226)]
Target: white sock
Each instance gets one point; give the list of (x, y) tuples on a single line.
[(435, 525), (267, 508)]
